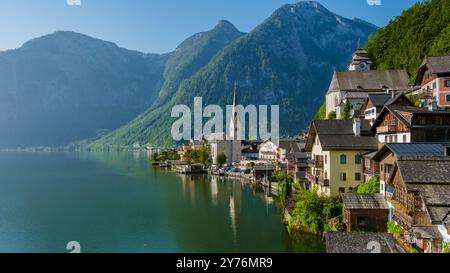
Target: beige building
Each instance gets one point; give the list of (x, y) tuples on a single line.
[(337, 148)]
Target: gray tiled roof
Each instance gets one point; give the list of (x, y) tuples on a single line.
[(438, 64), (379, 100), (359, 242), (339, 135), (370, 80), (364, 201), (417, 149), (431, 178)]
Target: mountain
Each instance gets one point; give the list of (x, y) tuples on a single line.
[(423, 29), (287, 60), (194, 53), (67, 86)]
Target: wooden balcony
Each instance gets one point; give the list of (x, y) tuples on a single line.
[(311, 178), (318, 164), (387, 129), (371, 172), (323, 182), (318, 180)]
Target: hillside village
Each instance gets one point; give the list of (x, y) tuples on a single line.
[(381, 155)]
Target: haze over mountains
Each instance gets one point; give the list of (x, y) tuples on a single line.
[(66, 87)]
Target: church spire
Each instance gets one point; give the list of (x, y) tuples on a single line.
[(235, 98)]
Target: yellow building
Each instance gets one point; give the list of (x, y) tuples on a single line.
[(337, 147)]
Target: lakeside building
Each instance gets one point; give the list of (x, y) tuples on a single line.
[(336, 148), (405, 123), (433, 77), (356, 84), (415, 180), (368, 212), (375, 103)]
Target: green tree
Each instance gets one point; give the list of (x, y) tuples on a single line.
[(316, 213), (321, 114), (221, 158), (332, 115), (446, 248), (285, 183), (393, 228), (370, 187), (346, 112)]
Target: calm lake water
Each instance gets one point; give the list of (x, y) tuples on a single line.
[(116, 202)]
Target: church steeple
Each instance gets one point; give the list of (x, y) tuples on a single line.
[(360, 60), (235, 122), (235, 98)]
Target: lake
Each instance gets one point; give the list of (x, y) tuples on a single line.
[(117, 202)]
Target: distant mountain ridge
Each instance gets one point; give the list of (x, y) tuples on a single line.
[(66, 86), (287, 60)]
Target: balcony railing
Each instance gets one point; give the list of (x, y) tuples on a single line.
[(323, 182), (318, 164), (311, 178), (387, 129), (319, 180)]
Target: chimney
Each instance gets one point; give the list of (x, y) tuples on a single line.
[(357, 126), (391, 92)]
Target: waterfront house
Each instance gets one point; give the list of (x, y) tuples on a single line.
[(355, 85), (264, 173), (336, 148), (418, 190), (268, 151), (368, 212), (361, 242), (383, 161), (404, 124), (433, 77)]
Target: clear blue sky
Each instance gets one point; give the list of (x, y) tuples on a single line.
[(158, 25)]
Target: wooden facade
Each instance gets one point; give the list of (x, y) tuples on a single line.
[(366, 219)]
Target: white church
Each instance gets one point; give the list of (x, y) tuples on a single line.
[(230, 144)]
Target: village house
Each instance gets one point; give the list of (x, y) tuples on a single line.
[(297, 160), (415, 179), (405, 124), (383, 161), (355, 85), (268, 151), (361, 242), (250, 151), (192, 145), (433, 77), (366, 212), (374, 103), (337, 147)]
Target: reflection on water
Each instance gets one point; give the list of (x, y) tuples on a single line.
[(117, 202)]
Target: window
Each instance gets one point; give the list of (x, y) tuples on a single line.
[(358, 176), (342, 190), (448, 98), (358, 159), (404, 139), (343, 159), (362, 221), (343, 176), (447, 83), (434, 85), (326, 159)]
